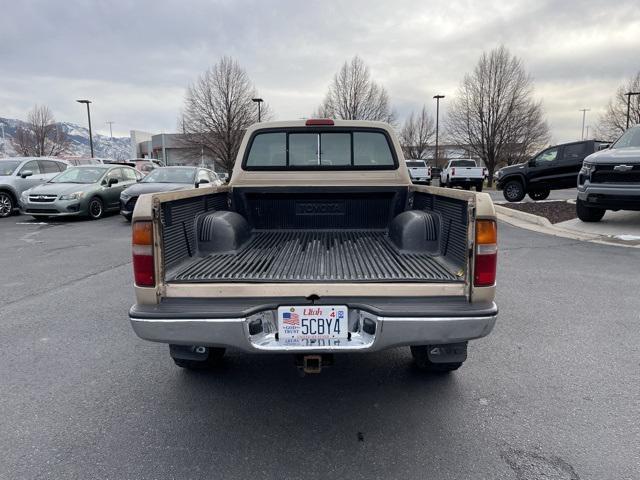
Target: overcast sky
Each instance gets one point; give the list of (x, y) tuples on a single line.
[(134, 59)]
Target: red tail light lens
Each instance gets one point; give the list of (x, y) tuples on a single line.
[(142, 248), (486, 258), (453, 172), (319, 121)]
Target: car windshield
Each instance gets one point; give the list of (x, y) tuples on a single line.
[(171, 175), (630, 138), (415, 164), (8, 166), (79, 175), (463, 163)]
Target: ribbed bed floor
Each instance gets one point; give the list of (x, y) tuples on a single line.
[(294, 255)]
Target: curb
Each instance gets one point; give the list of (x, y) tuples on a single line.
[(540, 224)]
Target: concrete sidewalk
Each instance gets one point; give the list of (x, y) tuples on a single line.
[(621, 225)]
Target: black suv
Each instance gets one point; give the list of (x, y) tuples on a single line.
[(554, 168)]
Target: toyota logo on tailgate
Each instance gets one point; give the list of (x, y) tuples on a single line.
[(623, 168)]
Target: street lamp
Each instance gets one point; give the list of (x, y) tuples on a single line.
[(258, 101), (110, 128), (629, 95), (584, 112), (87, 102), (437, 97)]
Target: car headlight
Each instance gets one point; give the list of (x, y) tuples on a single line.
[(72, 196), (587, 169), (498, 173)]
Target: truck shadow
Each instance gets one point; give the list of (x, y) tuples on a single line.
[(261, 406)]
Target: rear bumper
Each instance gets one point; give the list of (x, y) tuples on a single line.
[(610, 196), (165, 325)]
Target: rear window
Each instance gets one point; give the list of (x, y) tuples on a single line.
[(411, 164), (463, 163), (319, 150)]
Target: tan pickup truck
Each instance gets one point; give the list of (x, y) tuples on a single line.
[(320, 244)]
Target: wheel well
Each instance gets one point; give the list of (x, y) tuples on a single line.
[(11, 194), (518, 178)]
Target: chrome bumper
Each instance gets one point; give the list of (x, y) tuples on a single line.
[(388, 332)]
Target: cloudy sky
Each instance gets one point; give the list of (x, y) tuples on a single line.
[(135, 58)]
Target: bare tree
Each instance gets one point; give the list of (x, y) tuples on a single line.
[(416, 134), (494, 112), (353, 95), (218, 109), (613, 122), (40, 135)]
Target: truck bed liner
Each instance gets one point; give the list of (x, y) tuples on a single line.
[(318, 255)]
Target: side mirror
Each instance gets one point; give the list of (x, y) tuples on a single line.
[(112, 181), (202, 182), (532, 162), (26, 173)]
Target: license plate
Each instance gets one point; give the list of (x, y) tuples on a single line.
[(325, 324)]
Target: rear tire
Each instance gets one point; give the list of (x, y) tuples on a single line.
[(421, 359), (7, 204), (539, 194), (589, 214), (513, 191), (479, 187)]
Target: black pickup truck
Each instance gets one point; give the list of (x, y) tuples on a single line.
[(554, 168)]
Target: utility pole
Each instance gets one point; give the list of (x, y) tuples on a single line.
[(587, 132), (87, 102), (629, 95), (258, 101), (584, 113), (3, 148), (437, 97), (110, 128)]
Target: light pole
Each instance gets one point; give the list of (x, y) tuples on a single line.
[(87, 102), (584, 113), (110, 128), (2, 127), (258, 101), (629, 95), (437, 97)]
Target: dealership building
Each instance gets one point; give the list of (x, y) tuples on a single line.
[(171, 149)]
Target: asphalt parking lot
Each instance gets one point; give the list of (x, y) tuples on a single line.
[(552, 393)]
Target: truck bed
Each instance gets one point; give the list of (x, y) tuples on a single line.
[(328, 255)]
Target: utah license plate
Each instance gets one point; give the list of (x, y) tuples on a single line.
[(324, 324)]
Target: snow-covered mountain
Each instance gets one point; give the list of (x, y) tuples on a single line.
[(103, 146)]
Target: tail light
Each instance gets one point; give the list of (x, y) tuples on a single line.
[(453, 172), (484, 271), (429, 171), (485, 172), (142, 247)]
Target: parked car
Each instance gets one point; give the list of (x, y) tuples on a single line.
[(87, 190), (419, 171), (464, 173), (553, 168), (315, 252), (21, 173), (166, 179), (610, 179)]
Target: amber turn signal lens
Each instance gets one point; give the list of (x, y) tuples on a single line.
[(486, 232), (142, 233)]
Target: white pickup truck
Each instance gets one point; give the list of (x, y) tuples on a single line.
[(419, 171), (319, 245), (464, 173)]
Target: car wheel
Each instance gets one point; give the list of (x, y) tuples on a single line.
[(95, 209), (513, 191), (589, 214), (539, 194), (421, 360), (6, 204), (479, 187), (214, 359)]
